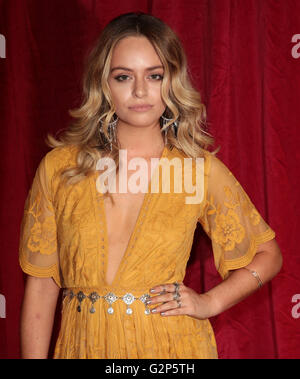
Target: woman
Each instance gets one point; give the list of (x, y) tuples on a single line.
[(121, 255)]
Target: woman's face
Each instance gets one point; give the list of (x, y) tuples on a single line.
[(135, 79)]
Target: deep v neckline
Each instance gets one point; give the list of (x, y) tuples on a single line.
[(137, 226)]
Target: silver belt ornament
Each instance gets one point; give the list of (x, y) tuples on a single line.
[(110, 298)]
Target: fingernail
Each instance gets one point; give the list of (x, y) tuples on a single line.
[(154, 310), (163, 313), (152, 290), (148, 302)]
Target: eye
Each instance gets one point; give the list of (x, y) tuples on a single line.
[(158, 76), (118, 78)]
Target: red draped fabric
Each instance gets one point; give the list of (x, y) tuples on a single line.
[(244, 58)]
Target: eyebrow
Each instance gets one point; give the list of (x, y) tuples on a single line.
[(129, 69)]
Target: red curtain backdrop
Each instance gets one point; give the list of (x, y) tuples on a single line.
[(244, 58)]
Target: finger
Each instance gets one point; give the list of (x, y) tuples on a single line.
[(166, 307), (167, 287), (166, 297), (173, 312)]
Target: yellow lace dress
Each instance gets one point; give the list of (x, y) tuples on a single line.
[(63, 235)]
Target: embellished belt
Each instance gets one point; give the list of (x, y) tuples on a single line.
[(110, 297)]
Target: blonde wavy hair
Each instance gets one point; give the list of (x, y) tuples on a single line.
[(182, 100)]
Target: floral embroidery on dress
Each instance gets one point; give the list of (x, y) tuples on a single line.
[(42, 236), (245, 202), (228, 230), (254, 217)]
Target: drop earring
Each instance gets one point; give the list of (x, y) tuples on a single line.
[(174, 126), (111, 129)]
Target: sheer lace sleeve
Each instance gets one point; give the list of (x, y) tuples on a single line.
[(230, 219), (38, 254)]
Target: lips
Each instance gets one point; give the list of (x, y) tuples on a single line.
[(141, 108)]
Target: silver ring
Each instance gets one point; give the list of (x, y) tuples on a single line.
[(179, 303), (176, 284), (175, 295)]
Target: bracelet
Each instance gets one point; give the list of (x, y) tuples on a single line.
[(255, 274)]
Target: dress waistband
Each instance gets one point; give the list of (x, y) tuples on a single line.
[(110, 297)]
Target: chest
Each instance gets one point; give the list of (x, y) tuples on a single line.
[(122, 207), (121, 211)]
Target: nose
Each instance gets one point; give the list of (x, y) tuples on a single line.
[(140, 87)]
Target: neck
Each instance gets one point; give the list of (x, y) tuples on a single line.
[(146, 141)]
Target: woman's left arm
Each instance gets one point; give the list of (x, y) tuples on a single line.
[(237, 286), (241, 283)]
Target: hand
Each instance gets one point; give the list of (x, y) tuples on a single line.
[(192, 304)]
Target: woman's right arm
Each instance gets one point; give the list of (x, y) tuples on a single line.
[(37, 317)]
